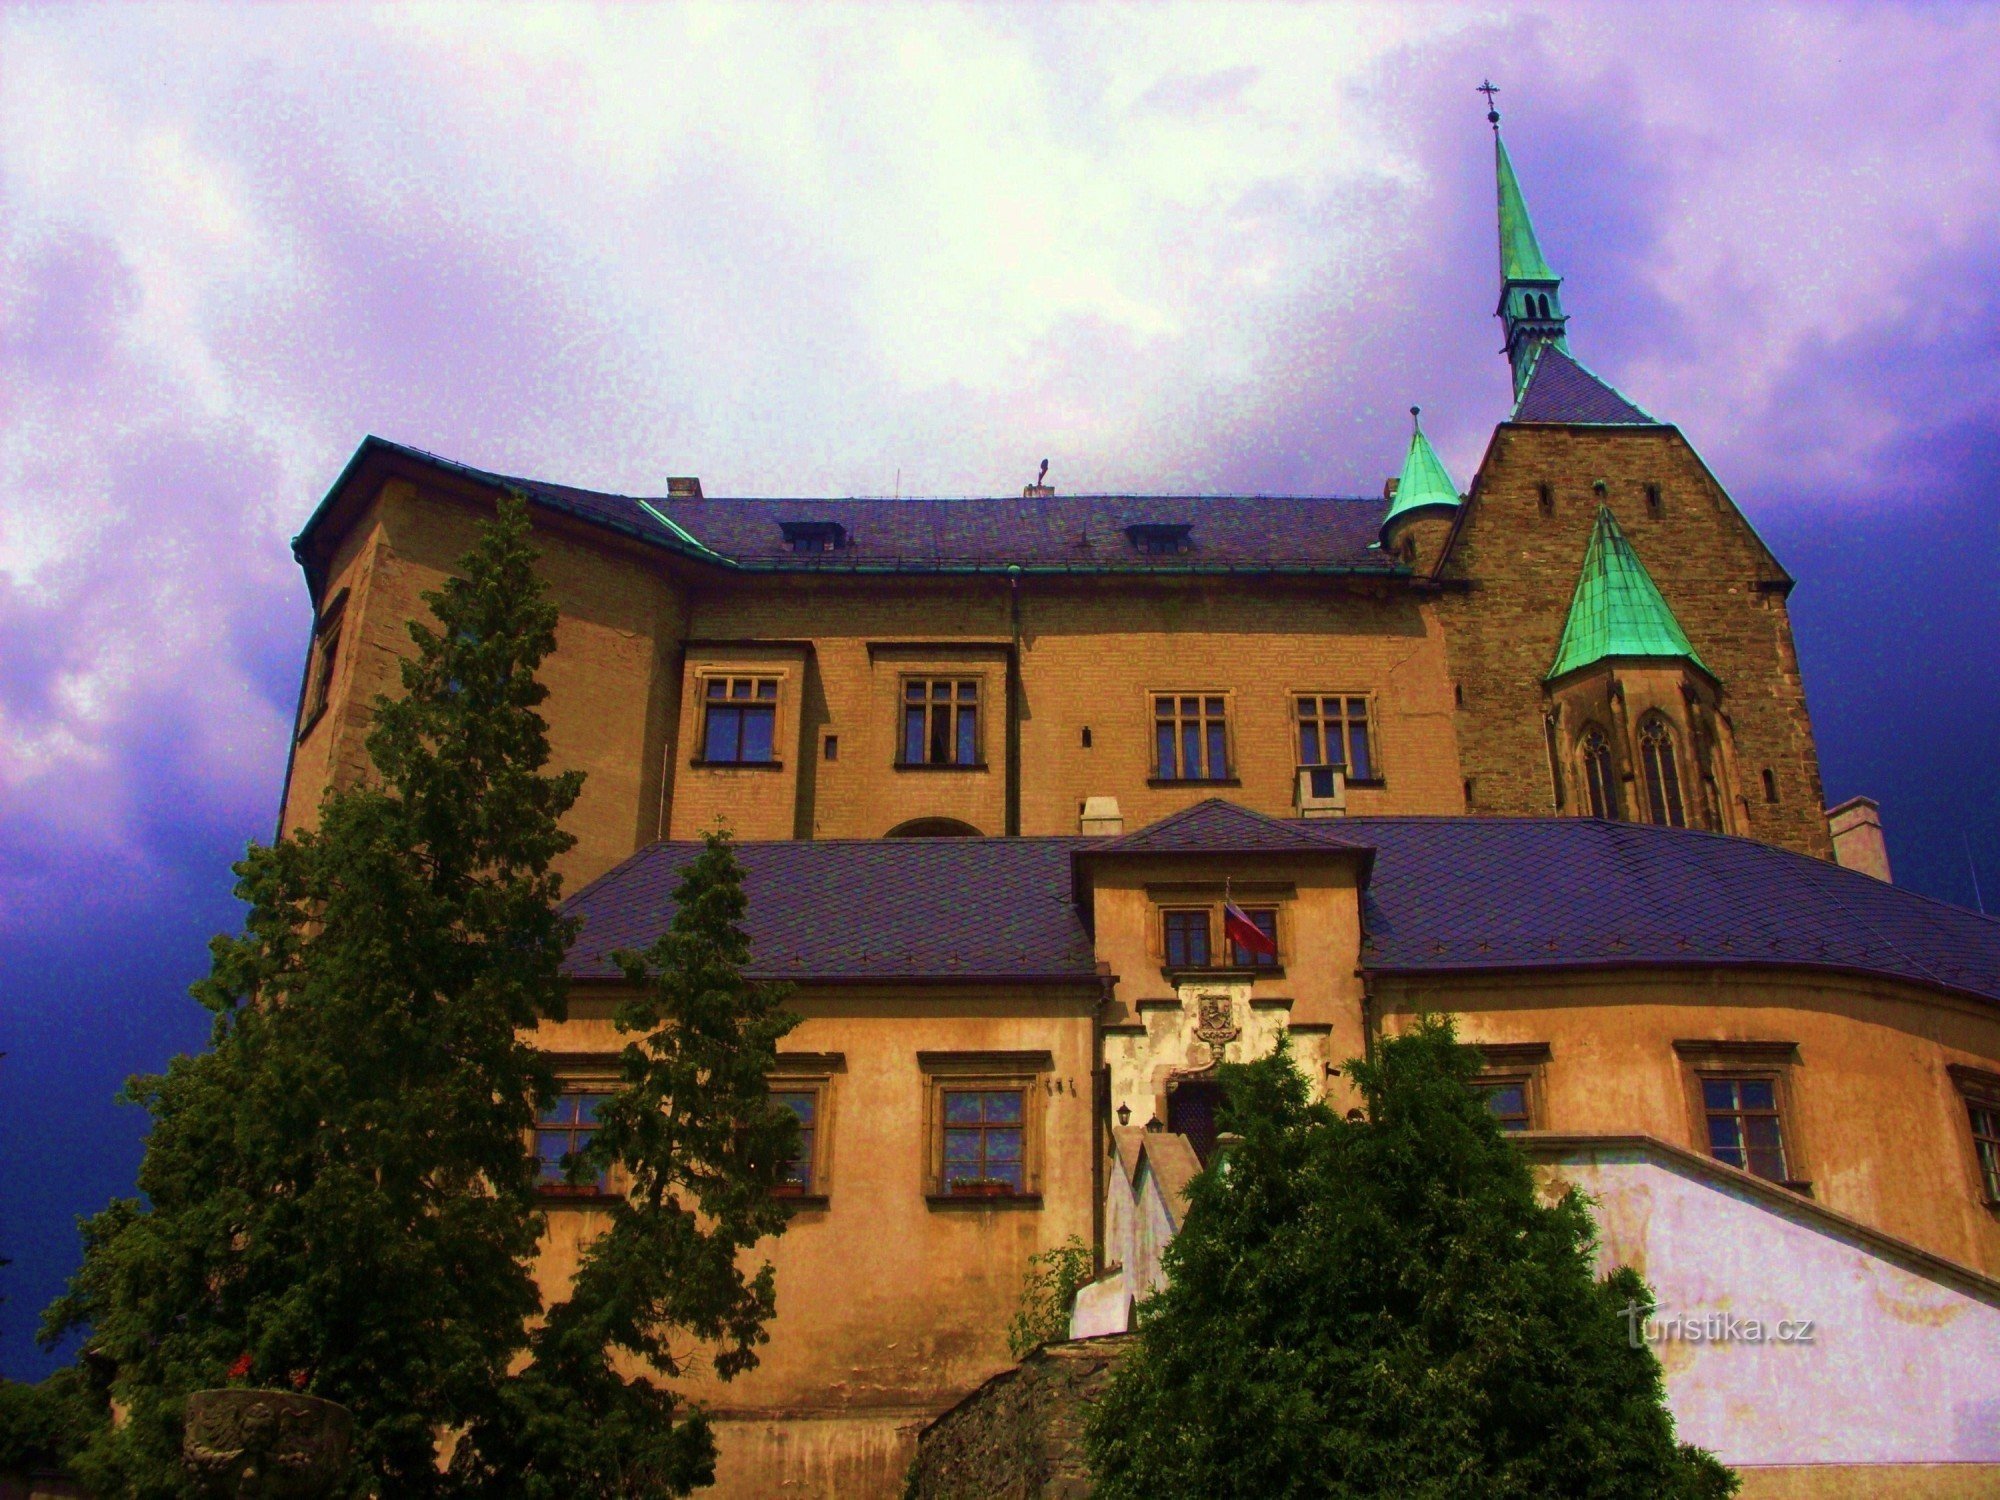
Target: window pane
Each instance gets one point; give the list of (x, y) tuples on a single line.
[(1768, 1164), (1011, 1173), (767, 689), (587, 1106), (1003, 1145), (1718, 1093), (801, 1105), (1309, 744), (1758, 1093), (1724, 1139), (968, 692), (1003, 1108), (961, 1108), (1762, 1131), (723, 725), (914, 692), (1218, 753), (1163, 708), (1357, 753), (961, 1146), (758, 724), (739, 687), (940, 750), (552, 1146), (561, 1112), (1191, 707), (913, 736), (1357, 709), (968, 737), (1165, 750), (1191, 750), (717, 687)]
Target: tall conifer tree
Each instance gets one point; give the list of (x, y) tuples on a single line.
[(1383, 1307), (340, 1192)]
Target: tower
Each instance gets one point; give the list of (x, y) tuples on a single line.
[(1530, 309), (1424, 492)]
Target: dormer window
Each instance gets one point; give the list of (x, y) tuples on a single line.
[(1157, 540), (814, 536)]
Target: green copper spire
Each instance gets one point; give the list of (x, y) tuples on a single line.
[(1617, 610), (1425, 484), (1520, 252), (1530, 291)]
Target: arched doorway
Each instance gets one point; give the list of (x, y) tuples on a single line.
[(933, 828)]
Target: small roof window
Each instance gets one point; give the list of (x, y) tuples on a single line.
[(814, 536), (1159, 539)]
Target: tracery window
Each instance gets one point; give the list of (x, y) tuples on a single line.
[(1600, 781), (940, 721), (1658, 764), (1333, 731), (741, 726), (1191, 737)]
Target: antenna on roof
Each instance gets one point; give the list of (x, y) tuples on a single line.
[(1040, 488)]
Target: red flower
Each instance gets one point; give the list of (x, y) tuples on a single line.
[(241, 1369)]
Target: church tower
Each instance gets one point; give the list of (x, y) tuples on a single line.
[(1530, 309)]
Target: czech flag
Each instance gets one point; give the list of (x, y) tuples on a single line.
[(1246, 934)]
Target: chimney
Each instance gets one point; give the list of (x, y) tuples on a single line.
[(1390, 485), (1041, 489), (1099, 816), (684, 489), (1856, 826)]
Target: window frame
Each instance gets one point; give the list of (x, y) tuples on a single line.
[(1598, 764), (1371, 743), (1776, 1062), (1025, 1072), (578, 1075), (1204, 718), (931, 704), (1516, 1064), (323, 662), (776, 702), (1221, 950), (1979, 1092), (1660, 772), (810, 1073)]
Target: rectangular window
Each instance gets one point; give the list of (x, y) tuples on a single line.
[(564, 1129), (1507, 1101), (985, 1135), (800, 1180), (742, 721), (1191, 737), (1265, 919), (1186, 939), (1986, 1143), (1333, 731), (941, 721), (1743, 1126)]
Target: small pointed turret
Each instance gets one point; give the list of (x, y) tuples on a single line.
[(1530, 291), (1617, 610), (1425, 486)]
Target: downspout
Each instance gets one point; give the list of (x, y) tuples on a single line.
[(298, 710), (1011, 817)]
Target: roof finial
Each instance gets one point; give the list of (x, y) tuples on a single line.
[(1416, 419), (1489, 88)]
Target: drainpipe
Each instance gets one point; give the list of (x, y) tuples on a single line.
[(1012, 816)]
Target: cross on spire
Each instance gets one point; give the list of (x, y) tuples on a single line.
[(1489, 88)]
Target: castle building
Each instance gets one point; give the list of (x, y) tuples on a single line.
[(1049, 803)]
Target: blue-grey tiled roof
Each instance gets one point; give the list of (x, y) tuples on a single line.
[(1562, 391), (1493, 893), (1446, 894), (1054, 533)]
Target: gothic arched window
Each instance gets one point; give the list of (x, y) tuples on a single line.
[(1600, 782), (1662, 773)]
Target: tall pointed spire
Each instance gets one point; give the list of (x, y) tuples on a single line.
[(1530, 291), (1617, 610), (1425, 483)]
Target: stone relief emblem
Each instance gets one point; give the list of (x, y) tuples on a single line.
[(1215, 1020)]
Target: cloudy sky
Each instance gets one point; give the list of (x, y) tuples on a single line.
[(840, 250)]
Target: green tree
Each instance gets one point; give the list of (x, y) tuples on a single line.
[(44, 1426), (338, 1194), (1048, 1296), (1383, 1307), (697, 1147)]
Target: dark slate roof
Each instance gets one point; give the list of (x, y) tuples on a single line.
[(1056, 533), (1559, 389), (1446, 895), (1512, 893), (858, 909), (1214, 826)]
